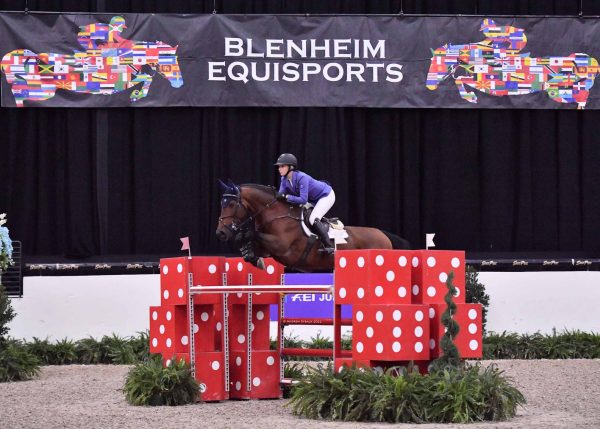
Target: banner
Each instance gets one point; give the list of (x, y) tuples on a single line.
[(142, 60)]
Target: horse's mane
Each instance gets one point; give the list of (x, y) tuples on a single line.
[(264, 188)]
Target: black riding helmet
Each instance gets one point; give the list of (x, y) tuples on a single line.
[(287, 159)]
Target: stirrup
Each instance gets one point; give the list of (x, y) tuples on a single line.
[(328, 250)]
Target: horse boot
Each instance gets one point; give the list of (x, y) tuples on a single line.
[(322, 228)]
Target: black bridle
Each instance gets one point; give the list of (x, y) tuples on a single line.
[(241, 224)]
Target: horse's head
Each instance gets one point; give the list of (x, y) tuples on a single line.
[(443, 64), (168, 65), (233, 211)]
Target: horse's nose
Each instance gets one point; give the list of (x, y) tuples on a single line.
[(221, 235)]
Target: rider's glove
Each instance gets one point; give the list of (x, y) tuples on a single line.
[(281, 196)]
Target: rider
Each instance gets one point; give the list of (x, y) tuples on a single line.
[(503, 37), (299, 188), (102, 34)]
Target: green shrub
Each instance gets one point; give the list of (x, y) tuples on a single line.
[(6, 315), (64, 352), (120, 350), (149, 383), (16, 363), (398, 396), (91, 352), (141, 346), (294, 371), (42, 349)]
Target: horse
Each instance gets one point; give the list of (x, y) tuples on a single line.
[(275, 228), (502, 71), (108, 70)]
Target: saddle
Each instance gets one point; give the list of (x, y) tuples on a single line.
[(337, 230)]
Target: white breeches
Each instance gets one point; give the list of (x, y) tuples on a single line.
[(322, 207)]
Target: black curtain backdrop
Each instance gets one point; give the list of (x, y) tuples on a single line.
[(79, 183)]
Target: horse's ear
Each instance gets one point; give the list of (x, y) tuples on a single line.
[(234, 188), (222, 186)]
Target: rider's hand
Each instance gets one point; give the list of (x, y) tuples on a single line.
[(281, 196)]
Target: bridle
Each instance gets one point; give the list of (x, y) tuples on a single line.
[(242, 223)]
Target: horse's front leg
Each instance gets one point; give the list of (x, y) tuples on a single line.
[(138, 94), (465, 94)]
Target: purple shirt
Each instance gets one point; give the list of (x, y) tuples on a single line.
[(303, 188)]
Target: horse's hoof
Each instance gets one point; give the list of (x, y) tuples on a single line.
[(261, 264)]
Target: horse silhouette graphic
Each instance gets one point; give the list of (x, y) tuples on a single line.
[(497, 67), (109, 64)]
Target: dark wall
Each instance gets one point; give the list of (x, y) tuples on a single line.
[(95, 182)]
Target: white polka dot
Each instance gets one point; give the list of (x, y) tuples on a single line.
[(431, 312), (418, 332), (397, 315), (165, 270), (473, 345), (359, 316), (202, 387), (215, 365), (219, 326), (419, 315), (179, 268), (256, 381), (401, 291), (238, 385), (432, 344), (369, 332), (251, 327), (226, 266), (166, 294), (402, 261), (457, 292), (418, 347), (415, 289), (240, 266), (379, 316), (431, 291), (359, 347), (379, 260), (196, 328), (260, 315), (270, 269), (169, 315), (360, 293), (184, 340), (161, 329), (443, 277), (239, 294), (396, 346), (238, 361), (343, 262), (212, 268), (379, 291), (455, 262), (397, 332), (168, 342), (180, 293), (472, 328), (415, 261), (472, 314), (360, 262), (379, 348), (154, 342), (270, 360), (390, 276), (204, 316), (241, 339), (341, 368), (168, 362), (154, 315), (431, 261), (342, 292)]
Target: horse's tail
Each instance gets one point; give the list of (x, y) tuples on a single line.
[(397, 242)]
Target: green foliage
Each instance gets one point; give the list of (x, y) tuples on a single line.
[(399, 396), (566, 345), (6, 314), (16, 363), (475, 294), (120, 350), (320, 342), (450, 357), (65, 352), (295, 371), (149, 383)]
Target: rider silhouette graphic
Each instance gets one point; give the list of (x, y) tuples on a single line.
[(102, 36), (503, 38)]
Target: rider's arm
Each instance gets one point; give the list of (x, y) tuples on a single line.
[(303, 187)]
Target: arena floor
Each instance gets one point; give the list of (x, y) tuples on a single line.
[(560, 394)]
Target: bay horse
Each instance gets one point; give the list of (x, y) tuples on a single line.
[(276, 230), (107, 70)]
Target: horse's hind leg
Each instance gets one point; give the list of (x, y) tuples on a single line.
[(138, 94)]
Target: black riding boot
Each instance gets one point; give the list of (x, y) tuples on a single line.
[(322, 228)]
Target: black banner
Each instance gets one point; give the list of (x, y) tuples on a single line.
[(78, 60)]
